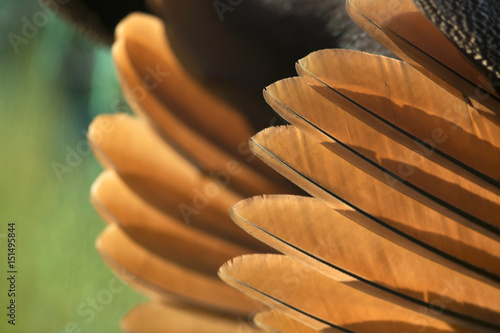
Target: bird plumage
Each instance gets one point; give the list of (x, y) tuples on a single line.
[(400, 156)]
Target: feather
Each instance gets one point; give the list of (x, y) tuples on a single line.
[(173, 107), (327, 122), (334, 242), (403, 29), (164, 177), (146, 271), (425, 114), (401, 156), (270, 278), (159, 232), (227, 45), (276, 322), (471, 26), (155, 317), (336, 175), (178, 93)]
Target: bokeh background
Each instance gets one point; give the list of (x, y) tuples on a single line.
[(52, 84)]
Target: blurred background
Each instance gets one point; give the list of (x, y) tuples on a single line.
[(53, 82)]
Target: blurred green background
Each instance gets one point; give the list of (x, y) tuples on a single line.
[(50, 90)]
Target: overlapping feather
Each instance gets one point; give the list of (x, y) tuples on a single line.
[(401, 157), (403, 166), (170, 178)]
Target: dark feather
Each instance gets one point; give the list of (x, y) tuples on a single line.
[(471, 25)]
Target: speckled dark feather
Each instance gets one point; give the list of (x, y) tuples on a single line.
[(471, 25)]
